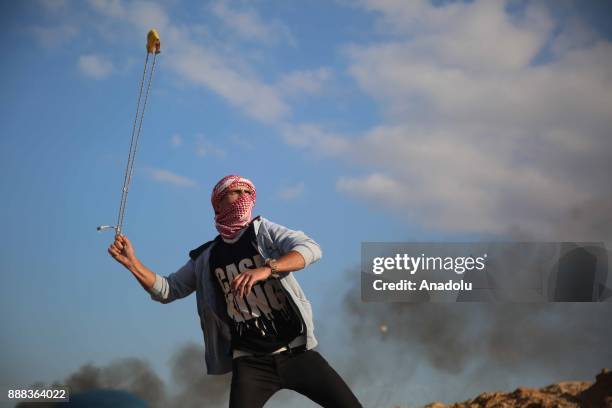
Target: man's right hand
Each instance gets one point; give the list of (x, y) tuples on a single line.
[(123, 252)]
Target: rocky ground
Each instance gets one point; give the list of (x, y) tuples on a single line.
[(568, 394)]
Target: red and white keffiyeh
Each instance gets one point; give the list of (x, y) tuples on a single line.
[(237, 215)]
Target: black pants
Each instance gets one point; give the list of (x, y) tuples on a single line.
[(256, 379)]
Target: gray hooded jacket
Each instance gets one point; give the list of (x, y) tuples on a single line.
[(273, 241)]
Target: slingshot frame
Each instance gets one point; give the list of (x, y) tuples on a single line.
[(153, 47)]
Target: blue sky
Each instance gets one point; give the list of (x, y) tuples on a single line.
[(357, 121)]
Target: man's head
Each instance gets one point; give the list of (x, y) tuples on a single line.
[(232, 198)]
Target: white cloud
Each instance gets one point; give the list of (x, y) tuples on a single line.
[(475, 35), (249, 25), (199, 63), (55, 36), (206, 148), (292, 192), (313, 137), (456, 181), (204, 67), (375, 187), (242, 142), (476, 137), (111, 8), (304, 82), (166, 176), (144, 15), (95, 66)]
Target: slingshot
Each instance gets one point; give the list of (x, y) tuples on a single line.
[(153, 47)]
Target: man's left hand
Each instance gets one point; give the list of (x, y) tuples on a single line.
[(243, 283)]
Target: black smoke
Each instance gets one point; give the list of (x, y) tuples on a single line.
[(190, 385)]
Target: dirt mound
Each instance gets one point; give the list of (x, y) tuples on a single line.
[(568, 394)]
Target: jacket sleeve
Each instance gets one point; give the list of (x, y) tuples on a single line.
[(177, 285), (287, 240)]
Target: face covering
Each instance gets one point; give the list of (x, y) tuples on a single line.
[(234, 217)]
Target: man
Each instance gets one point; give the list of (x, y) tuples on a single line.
[(256, 320)]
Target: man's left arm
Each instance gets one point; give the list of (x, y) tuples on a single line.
[(297, 252), (297, 249), (290, 262)]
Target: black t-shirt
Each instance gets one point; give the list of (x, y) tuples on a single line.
[(266, 319)]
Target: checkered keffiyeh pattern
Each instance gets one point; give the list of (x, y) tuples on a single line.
[(237, 215)]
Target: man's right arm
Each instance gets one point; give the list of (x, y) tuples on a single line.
[(164, 289), (177, 285)]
